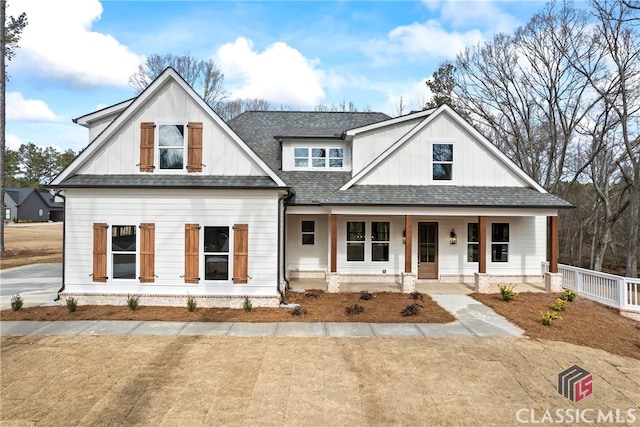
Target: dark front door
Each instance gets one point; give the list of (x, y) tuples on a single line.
[(428, 250)]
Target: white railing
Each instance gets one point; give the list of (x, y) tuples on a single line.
[(615, 291)]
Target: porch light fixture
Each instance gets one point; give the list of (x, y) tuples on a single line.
[(404, 236), (453, 239)]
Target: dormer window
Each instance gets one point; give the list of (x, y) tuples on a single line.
[(171, 146), (318, 157), (442, 162)]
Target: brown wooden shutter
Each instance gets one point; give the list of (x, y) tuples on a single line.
[(240, 253), (100, 252), (194, 150), (147, 132), (191, 253), (147, 252)]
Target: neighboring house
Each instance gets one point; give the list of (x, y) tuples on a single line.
[(56, 209), (25, 204), (168, 200)]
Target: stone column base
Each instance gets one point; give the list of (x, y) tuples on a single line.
[(481, 283), (333, 283), (553, 282), (408, 282)]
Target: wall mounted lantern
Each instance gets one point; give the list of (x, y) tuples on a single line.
[(404, 236), (453, 239)]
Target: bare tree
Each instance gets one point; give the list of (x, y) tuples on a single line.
[(204, 76)]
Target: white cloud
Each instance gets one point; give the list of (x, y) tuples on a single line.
[(430, 38), (58, 42), (280, 74), (484, 13), (21, 109), (13, 142), (413, 94)]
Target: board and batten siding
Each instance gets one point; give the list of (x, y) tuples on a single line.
[(220, 154), (473, 164), (169, 211), (371, 144)]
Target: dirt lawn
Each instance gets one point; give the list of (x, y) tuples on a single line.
[(272, 381), (31, 243)]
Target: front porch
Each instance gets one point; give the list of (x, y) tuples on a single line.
[(430, 287)]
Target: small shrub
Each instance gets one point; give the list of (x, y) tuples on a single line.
[(366, 295), (559, 305), (132, 301), (548, 317), (191, 303), (311, 295), (416, 295), (354, 309), (72, 304), (16, 302), (411, 310), (507, 292), (298, 311), (569, 295), (247, 304)]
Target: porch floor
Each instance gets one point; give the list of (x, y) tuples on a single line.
[(423, 286)]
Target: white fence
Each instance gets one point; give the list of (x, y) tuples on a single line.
[(615, 291)]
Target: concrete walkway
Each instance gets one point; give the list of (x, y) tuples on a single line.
[(473, 319)]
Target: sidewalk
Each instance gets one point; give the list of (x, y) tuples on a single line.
[(473, 319)]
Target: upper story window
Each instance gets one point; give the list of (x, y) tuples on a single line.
[(318, 157), (171, 146), (442, 162)]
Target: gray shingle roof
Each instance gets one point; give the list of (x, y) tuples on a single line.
[(258, 128), (19, 195), (168, 181)]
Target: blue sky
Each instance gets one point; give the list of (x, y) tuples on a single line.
[(76, 56)]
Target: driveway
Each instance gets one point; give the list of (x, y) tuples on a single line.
[(37, 284), (273, 381)]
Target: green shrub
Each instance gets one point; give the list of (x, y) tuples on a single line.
[(247, 304), (354, 309), (548, 317), (411, 310), (132, 301), (569, 295), (72, 304), (16, 302), (559, 305), (507, 292), (191, 303)]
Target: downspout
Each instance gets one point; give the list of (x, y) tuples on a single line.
[(282, 201), (64, 237)]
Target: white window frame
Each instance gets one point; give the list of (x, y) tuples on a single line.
[(110, 251), (7, 214), (203, 255), (326, 146), (157, 147)]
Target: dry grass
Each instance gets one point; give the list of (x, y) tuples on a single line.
[(31, 244)]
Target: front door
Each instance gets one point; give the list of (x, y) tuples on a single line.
[(428, 250)]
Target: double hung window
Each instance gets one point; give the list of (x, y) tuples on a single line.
[(358, 240), (308, 232), (123, 251), (500, 242), (216, 253), (442, 162), (171, 146), (472, 242)]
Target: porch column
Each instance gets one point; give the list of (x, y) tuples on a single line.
[(332, 278), (408, 220), (481, 277), (552, 279), (408, 278)]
